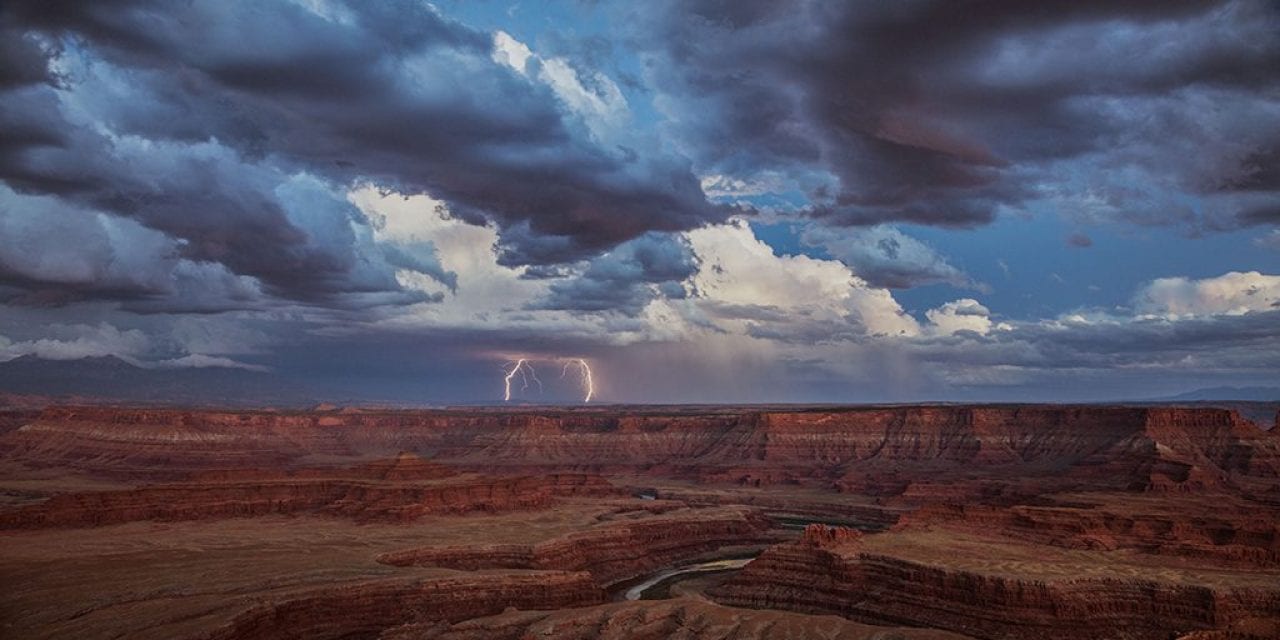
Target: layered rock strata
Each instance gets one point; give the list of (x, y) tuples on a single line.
[(865, 449), (687, 619), (388, 492), (611, 552), (365, 610), (1242, 539), (827, 572), (867, 516)]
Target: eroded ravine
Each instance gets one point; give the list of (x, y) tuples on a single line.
[(1004, 522)]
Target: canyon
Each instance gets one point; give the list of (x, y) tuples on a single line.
[(932, 521)]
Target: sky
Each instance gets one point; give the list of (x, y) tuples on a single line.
[(701, 201)]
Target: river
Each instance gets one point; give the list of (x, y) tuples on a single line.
[(637, 591)]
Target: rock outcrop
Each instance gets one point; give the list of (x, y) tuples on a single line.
[(399, 490), (1249, 539), (827, 571), (867, 516), (365, 610), (610, 552), (687, 619), (885, 449)]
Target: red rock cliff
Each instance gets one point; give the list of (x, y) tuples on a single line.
[(611, 552), (1127, 447), (365, 493), (826, 572), (365, 610)]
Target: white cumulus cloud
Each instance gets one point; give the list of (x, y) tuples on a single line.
[(965, 314), (739, 269), (1232, 293)]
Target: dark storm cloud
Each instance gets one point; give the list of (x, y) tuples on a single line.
[(809, 332), (1059, 360), (1209, 343), (174, 181), (1079, 241), (292, 234), (943, 113), (883, 256), (384, 92), (22, 60), (628, 277), (53, 254), (1262, 215)]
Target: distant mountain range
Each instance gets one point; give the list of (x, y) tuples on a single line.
[(110, 378), (1218, 394)]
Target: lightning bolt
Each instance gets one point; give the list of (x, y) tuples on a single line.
[(525, 370), (532, 374), (588, 384), (521, 366)]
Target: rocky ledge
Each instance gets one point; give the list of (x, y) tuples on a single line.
[(684, 618), (365, 610), (399, 490), (827, 571), (612, 552)]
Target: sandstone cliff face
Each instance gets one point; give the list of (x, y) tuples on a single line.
[(11, 418), (1244, 540), (825, 572), (405, 467), (1122, 447), (866, 516), (365, 610), (391, 491), (686, 619), (610, 552), (1246, 630)]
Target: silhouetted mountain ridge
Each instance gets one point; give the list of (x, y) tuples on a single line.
[(113, 378), (1215, 394)]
